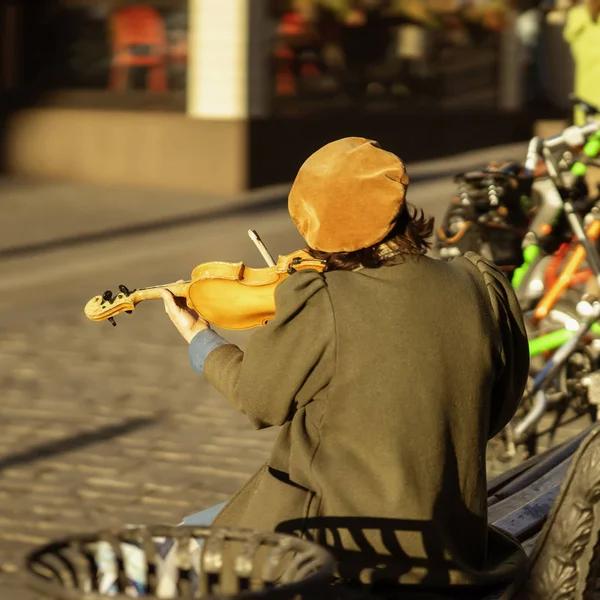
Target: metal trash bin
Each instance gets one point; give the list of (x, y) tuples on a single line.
[(180, 562)]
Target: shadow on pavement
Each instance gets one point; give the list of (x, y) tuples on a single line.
[(75, 442), (143, 228)]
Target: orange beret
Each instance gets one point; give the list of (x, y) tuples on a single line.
[(347, 195)]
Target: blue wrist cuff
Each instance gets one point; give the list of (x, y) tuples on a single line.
[(202, 344)]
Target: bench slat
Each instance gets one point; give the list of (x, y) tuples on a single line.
[(529, 519), (520, 499)]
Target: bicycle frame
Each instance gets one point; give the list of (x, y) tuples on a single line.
[(553, 340), (519, 431), (555, 264), (565, 279), (569, 275)]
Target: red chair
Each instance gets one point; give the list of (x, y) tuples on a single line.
[(290, 28), (138, 39)]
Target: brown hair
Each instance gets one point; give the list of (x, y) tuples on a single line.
[(409, 237)]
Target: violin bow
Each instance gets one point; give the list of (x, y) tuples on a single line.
[(261, 247)]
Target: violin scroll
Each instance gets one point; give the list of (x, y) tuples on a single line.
[(107, 306)]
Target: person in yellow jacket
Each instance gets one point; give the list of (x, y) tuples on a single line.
[(582, 33)]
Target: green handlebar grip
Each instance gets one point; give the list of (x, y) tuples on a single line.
[(530, 253), (518, 275), (592, 148)]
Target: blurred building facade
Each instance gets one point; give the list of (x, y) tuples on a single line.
[(224, 95)]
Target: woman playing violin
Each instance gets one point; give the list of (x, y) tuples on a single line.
[(387, 373)]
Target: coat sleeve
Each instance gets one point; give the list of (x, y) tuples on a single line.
[(513, 344), (287, 361)]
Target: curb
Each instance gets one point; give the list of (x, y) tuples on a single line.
[(137, 201)]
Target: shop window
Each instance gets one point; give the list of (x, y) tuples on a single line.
[(385, 54), (120, 54)]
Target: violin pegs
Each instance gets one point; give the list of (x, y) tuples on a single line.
[(124, 290), (112, 321), (128, 312), (107, 296)]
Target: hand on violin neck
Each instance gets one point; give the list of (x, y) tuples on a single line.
[(187, 321)]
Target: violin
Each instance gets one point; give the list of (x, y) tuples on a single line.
[(228, 295)]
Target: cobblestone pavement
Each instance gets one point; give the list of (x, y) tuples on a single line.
[(103, 426)]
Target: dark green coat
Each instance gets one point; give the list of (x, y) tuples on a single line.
[(388, 384)]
